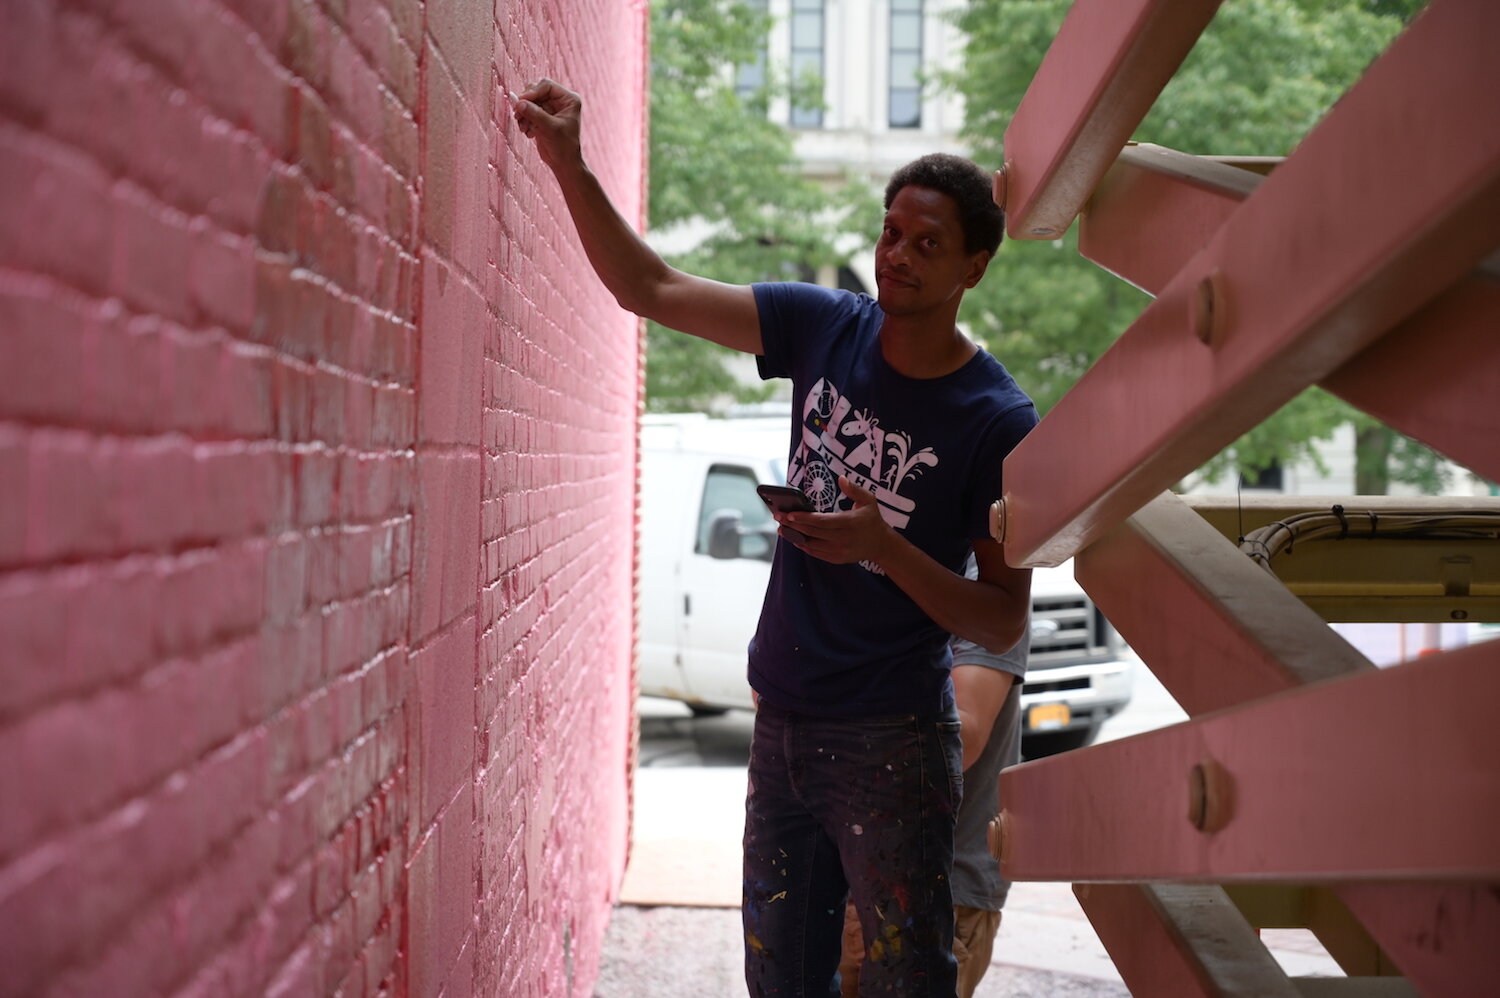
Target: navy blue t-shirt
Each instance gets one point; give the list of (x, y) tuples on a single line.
[(843, 640)]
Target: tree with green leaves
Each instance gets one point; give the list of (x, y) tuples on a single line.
[(720, 165), (1257, 81)]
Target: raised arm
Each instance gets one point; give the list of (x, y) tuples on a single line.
[(634, 273)]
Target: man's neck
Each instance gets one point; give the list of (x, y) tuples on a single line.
[(924, 349)]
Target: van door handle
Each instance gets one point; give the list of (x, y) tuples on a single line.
[(687, 604)]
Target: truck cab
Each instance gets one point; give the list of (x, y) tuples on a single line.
[(706, 545)]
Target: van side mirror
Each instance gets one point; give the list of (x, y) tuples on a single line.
[(724, 534)]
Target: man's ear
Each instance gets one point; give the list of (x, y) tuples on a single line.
[(977, 267)]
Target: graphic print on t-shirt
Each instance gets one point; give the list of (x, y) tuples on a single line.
[(838, 439)]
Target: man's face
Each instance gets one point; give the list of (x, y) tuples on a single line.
[(920, 260)]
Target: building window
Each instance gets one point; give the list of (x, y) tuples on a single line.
[(906, 64), (750, 77), (807, 56)]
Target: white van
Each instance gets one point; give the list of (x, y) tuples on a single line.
[(706, 545)]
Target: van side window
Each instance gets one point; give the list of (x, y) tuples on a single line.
[(733, 488)]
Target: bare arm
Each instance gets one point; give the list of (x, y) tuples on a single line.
[(981, 692), (991, 612), (633, 272)]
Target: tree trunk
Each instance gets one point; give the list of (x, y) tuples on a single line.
[(1372, 454)]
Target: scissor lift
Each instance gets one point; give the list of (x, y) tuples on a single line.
[(1308, 788)]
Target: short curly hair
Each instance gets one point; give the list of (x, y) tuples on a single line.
[(967, 184)]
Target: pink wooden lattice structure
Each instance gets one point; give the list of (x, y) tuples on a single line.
[(1308, 789)]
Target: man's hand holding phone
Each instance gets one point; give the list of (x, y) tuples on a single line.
[(783, 499), (840, 537)]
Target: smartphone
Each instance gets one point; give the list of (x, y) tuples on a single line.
[(785, 499)]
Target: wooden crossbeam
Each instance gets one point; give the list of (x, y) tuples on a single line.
[(1385, 775), (1442, 936), (1282, 283), (1299, 279), (1446, 359), (1100, 76), (1184, 941), (1318, 909), (1235, 633), (1355, 987), (1156, 208)]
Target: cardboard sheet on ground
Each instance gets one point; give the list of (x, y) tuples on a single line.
[(685, 872)]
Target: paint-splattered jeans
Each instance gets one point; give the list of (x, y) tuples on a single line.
[(861, 808)]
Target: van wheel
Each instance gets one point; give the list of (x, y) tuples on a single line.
[(1052, 742), (701, 711)]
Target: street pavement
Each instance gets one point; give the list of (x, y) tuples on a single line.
[(676, 931)]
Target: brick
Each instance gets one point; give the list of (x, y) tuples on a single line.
[(285, 197), (74, 488), (445, 688), (441, 867), (304, 48), (312, 143), (401, 210), (105, 625), (45, 341), (287, 580), (242, 404), (315, 471), (291, 395), (454, 320), (29, 63), (268, 21), (407, 16), (446, 526), (329, 388), (14, 490), (402, 139), (300, 975), (354, 88), (358, 416), (57, 218), (441, 112), (210, 595), (354, 561), (221, 277), (190, 364), (456, 172), (156, 495), (33, 618), (465, 34), (374, 486), (124, 374), (233, 491), (393, 417)]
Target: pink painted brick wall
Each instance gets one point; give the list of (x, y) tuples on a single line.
[(317, 450)]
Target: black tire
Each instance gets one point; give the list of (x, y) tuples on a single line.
[(699, 710)]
